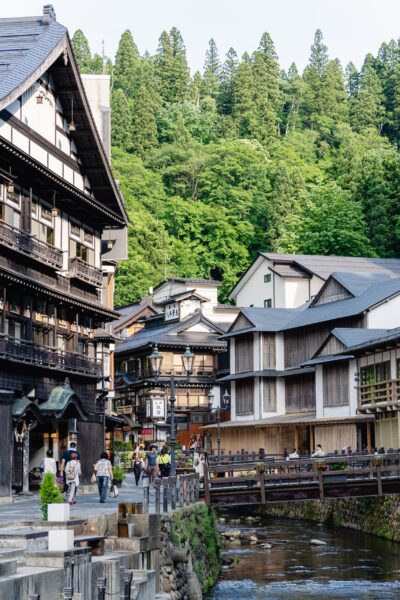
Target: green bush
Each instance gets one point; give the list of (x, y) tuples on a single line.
[(118, 474), (49, 493)]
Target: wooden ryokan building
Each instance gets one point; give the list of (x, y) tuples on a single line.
[(58, 199)]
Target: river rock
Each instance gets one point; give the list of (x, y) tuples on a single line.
[(221, 520), (253, 539), (266, 546), (235, 521), (251, 519), (227, 560), (232, 533), (317, 543)]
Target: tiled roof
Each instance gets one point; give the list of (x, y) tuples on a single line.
[(348, 307), (25, 43), (187, 280), (174, 334), (323, 266), (265, 319), (352, 336)]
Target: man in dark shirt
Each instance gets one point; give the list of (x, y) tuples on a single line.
[(67, 455), (151, 463)]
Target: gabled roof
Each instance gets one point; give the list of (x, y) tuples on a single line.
[(263, 319), (183, 296), (352, 336), (354, 283), (305, 265), (131, 314), (175, 334), (213, 282), (349, 307), (29, 47), (60, 399)]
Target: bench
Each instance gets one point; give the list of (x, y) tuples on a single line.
[(95, 542)]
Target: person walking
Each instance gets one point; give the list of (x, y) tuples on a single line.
[(164, 462), (151, 463), (104, 473), (72, 472), (137, 467), (49, 463)]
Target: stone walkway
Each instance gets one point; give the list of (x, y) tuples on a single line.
[(26, 508)]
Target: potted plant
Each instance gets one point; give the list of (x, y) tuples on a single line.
[(320, 465), (118, 476), (49, 493), (260, 467)]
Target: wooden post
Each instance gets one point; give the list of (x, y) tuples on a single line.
[(207, 485), (296, 437), (165, 494), (157, 486), (369, 447), (321, 484), (379, 479), (196, 487), (172, 483), (262, 488)]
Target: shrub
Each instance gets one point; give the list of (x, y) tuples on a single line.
[(118, 474), (49, 493)]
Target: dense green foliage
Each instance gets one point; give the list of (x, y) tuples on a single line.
[(49, 493), (246, 157)]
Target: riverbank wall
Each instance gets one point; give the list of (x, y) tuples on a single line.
[(378, 516), (190, 555)]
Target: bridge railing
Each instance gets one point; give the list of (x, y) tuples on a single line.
[(270, 474)]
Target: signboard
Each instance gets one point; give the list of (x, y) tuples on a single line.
[(146, 431), (158, 411), (172, 311)]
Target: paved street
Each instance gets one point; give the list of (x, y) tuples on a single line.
[(26, 508)]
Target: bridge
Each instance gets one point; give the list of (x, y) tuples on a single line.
[(270, 480)]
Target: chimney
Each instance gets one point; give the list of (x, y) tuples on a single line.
[(49, 12)]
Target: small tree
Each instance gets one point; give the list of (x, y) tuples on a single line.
[(49, 493)]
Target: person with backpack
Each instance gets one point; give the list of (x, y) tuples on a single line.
[(104, 473), (72, 472)]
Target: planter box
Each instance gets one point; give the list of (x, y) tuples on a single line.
[(59, 512), (61, 540)]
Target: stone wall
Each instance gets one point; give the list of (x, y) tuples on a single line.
[(190, 552), (378, 516)]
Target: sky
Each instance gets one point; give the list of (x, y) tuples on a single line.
[(351, 28)]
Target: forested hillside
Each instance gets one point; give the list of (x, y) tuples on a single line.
[(245, 157)]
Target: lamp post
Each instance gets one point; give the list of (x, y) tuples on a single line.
[(187, 362), (226, 401)]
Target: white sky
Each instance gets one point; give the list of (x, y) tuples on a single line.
[(351, 28)]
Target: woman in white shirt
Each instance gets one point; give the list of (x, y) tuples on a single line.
[(49, 464)]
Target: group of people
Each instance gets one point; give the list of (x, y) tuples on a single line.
[(70, 472), (151, 464), (318, 453)]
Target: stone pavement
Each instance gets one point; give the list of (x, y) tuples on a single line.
[(26, 508)]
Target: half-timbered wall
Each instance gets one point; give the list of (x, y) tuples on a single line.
[(336, 384), (244, 357), (300, 394)]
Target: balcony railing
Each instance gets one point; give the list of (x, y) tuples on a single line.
[(25, 244), (380, 395), (81, 270), (124, 410), (25, 351)]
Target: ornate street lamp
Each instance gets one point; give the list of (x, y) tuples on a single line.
[(187, 362)]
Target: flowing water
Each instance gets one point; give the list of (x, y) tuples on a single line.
[(351, 565)]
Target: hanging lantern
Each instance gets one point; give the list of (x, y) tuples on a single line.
[(10, 188), (40, 98)]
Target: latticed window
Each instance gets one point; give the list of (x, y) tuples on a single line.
[(244, 394)]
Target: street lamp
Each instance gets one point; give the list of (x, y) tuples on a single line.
[(226, 401), (187, 362)]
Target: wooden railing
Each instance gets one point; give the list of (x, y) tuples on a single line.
[(241, 482), (379, 395), (25, 351), (24, 243), (81, 270)]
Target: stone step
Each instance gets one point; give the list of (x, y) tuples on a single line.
[(11, 552), (8, 566), (29, 539), (78, 525)]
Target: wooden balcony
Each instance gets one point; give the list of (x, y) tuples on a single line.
[(23, 243), (78, 269), (25, 351), (378, 397), (124, 410)]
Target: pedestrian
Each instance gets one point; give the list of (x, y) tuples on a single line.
[(49, 463), (198, 464), (164, 462), (151, 462), (137, 467), (319, 453), (72, 472), (294, 454), (104, 473)]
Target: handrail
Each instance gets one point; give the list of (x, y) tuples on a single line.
[(378, 393), (27, 244), (85, 272), (29, 351)]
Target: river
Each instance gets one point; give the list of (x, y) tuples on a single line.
[(351, 566)]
